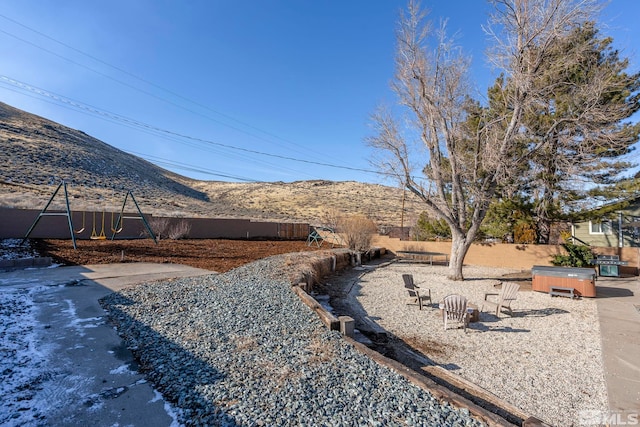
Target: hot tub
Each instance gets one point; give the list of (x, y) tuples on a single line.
[(581, 280)]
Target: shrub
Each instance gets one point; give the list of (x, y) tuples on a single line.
[(431, 229), (523, 232), (159, 226), (331, 218), (180, 230), (358, 231), (577, 256)]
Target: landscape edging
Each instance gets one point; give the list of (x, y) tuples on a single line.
[(23, 263), (301, 287)]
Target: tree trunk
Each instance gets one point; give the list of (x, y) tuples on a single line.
[(543, 222), (459, 249), (544, 230)]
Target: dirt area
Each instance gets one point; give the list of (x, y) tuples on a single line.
[(211, 254), (218, 255)]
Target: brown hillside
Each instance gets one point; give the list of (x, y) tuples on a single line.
[(37, 154)]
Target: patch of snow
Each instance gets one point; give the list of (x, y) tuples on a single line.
[(12, 249), (23, 362), (123, 369), (173, 412), (76, 322)]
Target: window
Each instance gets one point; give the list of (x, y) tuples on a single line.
[(600, 227)]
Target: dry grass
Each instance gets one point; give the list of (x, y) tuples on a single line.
[(244, 343), (287, 202), (321, 351), (37, 154)]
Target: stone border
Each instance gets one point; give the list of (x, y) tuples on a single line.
[(344, 324), (22, 263)]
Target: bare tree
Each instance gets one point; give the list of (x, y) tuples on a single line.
[(179, 230), (462, 161), (358, 231)]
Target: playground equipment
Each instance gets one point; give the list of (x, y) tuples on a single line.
[(94, 231), (94, 234), (44, 212), (121, 218), (115, 228), (319, 235), (84, 217)]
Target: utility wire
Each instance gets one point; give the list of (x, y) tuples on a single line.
[(154, 159), (136, 123), (183, 166), (160, 160), (141, 79), (207, 148)]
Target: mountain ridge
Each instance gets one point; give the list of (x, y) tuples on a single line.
[(38, 154)]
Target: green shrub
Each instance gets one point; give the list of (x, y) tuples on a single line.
[(577, 256), (431, 229)]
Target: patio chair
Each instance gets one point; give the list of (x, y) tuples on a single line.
[(508, 293), (455, 310), (416, 295)]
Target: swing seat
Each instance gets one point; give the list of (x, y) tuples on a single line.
[(83, 223), (94, 234), (120, 222)]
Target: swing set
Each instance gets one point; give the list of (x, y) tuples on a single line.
[(94, 234), (115, 227)]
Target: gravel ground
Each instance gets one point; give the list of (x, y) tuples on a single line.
[(546, 359), (241, 349)]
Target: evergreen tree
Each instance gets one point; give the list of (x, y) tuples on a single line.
[(579, 132)]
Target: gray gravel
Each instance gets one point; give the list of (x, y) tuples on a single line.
[(546, 359), (241, 349)]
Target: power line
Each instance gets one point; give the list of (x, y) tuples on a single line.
[(136, 123), (157, 134), (141, 79), (184, 166), (154, 159)]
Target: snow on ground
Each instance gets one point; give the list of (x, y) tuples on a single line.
[(12, 249), (23, 362), (37, 383)]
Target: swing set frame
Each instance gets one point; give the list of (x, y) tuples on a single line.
[(94, 235), (115, 230), (44, 212)]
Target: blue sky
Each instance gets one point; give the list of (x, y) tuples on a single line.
[(230, 90)]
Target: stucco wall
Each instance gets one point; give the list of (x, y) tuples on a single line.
[(14, 223), (519, 257)]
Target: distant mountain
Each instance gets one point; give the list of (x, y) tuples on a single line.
[(36, 154)]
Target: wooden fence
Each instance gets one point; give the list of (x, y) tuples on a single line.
[(14, 223)]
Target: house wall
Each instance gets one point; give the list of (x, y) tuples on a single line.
[(582, 232), (630, 234)]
